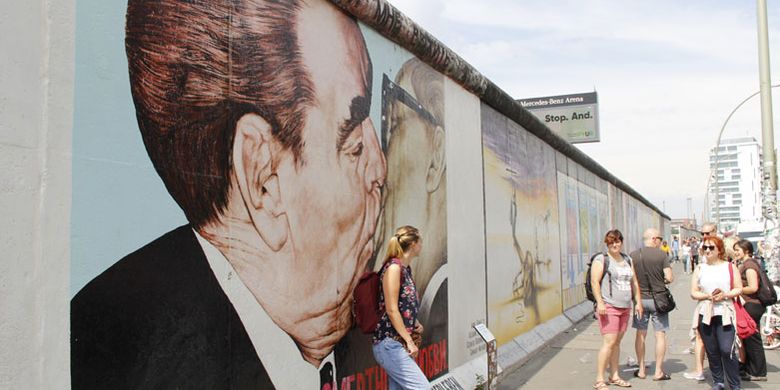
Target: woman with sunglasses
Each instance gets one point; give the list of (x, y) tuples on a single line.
[(754, 368), (711, 285), (614, 287)]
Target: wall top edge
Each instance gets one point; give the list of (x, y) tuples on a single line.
[(399, 28)]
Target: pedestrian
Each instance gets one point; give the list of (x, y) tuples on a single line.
[(653, 273), (728, 244), (698, 353), (694, 253), (686, 254), (396, 339), (754, 368), (666, 248), (614, 289), (711, 286), (676, 249), (697, 347)]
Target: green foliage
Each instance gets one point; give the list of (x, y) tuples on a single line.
[(481, 385)]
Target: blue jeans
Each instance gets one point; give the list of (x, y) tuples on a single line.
[(718, 342), (402, 371)]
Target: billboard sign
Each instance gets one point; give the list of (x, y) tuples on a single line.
[(574, 117)]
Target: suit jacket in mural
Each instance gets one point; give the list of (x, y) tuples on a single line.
[(158, 319)]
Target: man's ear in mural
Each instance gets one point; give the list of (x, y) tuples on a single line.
[(438, 161), (254, 152)]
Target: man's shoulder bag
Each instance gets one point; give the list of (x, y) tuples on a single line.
[(664, 300)]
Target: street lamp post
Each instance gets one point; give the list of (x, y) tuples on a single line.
[(717, 158), (769, 173), (767, 129)]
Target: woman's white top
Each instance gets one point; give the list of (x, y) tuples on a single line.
[(712, 277)]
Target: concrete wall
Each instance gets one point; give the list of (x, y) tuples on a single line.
[(509, 212), (36, 105)]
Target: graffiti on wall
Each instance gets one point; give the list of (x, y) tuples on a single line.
[(259, 174), (521, 217), (266, 141), (573, 292)]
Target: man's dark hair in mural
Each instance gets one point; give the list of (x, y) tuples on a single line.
[(191, 83), (255, 116)]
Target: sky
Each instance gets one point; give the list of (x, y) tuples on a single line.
[(667, 73)]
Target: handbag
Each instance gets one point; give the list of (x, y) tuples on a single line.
[(746, 326), (664, 301), (416, 339)]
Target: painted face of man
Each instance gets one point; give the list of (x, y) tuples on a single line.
[(332, 194), (409, 148), (407, 196)]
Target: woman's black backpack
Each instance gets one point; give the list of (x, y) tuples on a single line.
[(766, 291), (588, 285)]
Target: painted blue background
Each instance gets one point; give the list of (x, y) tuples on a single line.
[(119, 202)]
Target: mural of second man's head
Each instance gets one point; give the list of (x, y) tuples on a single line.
[(416, 189), (255, 116)]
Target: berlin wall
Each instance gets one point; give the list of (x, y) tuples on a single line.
[(193, 189)]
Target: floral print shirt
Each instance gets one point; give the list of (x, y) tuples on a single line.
[(408, 304)]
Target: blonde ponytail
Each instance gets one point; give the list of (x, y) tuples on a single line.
[(403, 238)]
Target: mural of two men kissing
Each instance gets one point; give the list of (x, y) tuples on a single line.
[(257, 117)]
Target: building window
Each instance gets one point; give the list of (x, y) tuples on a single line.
[(729, 164), (723, 157)]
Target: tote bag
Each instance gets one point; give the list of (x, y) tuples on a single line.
[(746, 326)]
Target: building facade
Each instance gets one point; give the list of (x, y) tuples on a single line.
[(735, 196)]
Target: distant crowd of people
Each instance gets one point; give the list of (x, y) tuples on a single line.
[(725, 277)]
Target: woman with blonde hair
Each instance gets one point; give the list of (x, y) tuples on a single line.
[(398, 333), (728, 246), (715, 284)]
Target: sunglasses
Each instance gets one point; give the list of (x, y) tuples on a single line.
[(658, 238), (392, 92), (708, 247), (706, 233)]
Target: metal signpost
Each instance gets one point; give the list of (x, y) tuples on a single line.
[(492, 361)]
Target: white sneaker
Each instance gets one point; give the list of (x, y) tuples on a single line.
[(693, 375)]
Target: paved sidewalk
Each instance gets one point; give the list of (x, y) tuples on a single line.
[(569, 362)]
